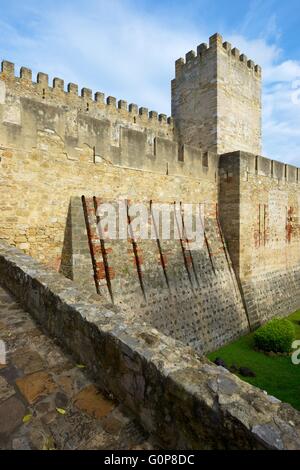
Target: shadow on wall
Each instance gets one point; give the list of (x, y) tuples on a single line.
[(190, 296), (66, 267)]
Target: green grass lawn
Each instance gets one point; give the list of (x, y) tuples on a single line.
[(277, 375)]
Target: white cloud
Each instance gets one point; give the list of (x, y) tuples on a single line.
[(110, 47)]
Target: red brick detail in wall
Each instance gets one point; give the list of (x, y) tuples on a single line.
[(95, 246), (97, 250), (100, 268), (189, 259), (106, 250), (111, 272), (289, 224), (138, 261), (261, 231), (138, 253)]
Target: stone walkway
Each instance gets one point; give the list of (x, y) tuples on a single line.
[(47, 401)]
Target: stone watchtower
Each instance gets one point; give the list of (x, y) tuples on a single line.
[(216, 99)]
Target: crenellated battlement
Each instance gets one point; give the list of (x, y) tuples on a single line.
[(84, 99), (81, 126), (262, 166), (204, 51), (258, 166), (192, 58)]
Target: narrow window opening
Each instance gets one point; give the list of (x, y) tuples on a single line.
[(181, 153), (205, 159)]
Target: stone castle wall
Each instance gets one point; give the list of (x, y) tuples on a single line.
[(264, 236), (56, 147), (190, 295)]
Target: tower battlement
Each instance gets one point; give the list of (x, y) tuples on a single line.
[(195, 58), (207, 84)]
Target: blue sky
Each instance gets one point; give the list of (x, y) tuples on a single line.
[(127, 49)]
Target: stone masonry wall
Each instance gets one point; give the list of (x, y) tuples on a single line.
[(44, 171), (190, 295), (183, 401), (55, 145), (264, 234), (239, 101), (194, 98)]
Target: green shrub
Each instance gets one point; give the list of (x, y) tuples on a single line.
[(276, 335)]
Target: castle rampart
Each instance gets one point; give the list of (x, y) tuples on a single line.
[(57, 146), (40, 89), (264, 237)]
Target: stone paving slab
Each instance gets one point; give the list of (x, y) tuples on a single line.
[(47, 401)]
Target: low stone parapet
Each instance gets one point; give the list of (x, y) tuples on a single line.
[(184, 401)]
